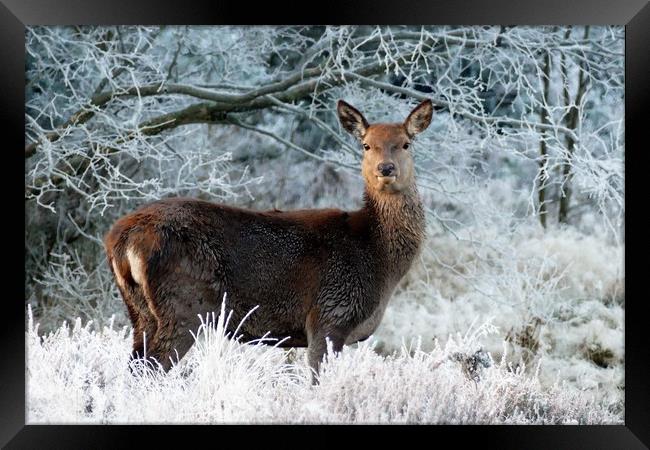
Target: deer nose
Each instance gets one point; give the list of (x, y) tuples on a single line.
[(386, 169)]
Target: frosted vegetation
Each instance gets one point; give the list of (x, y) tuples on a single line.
[(78, 375), (513, 313)]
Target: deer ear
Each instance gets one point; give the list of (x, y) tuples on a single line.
[(352, 120), (419, 119)]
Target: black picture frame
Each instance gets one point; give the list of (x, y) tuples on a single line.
[(16, 14)]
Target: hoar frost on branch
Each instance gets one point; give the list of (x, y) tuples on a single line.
[(108, 102)]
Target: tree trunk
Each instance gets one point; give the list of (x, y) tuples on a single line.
[(572, 123), (541, 190)]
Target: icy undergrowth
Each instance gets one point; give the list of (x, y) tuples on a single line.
[(80, 375), (556, 298)]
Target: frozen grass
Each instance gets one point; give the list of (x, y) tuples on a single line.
[(81, 375), (556, 298)]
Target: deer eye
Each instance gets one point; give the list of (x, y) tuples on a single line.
[(406, 146), (366, 146)]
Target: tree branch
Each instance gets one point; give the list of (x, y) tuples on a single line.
[(468, 115)]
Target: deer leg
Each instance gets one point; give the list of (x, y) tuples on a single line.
[(317, 347), (180, 300), (142, 319), (144, 323), (174, 341), (146, 326)]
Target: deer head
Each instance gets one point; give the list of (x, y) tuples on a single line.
[(387, 165)]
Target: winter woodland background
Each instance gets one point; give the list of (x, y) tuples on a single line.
[(514, 311)]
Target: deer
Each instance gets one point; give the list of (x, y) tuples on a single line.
[(314, 274)]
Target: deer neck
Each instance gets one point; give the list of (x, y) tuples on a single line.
[(399, 226)]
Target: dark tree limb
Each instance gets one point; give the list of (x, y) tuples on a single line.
[(543, 153), (293, 90), (203, 112), (572, 123)]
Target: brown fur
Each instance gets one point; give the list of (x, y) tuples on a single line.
[(314, 274)]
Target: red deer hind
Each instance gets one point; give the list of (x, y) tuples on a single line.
[(315, 274)]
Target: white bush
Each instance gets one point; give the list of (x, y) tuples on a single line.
[(555, 297), (80, 375)]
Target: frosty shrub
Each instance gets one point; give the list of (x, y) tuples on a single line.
[(79, 375), (555, 298)]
